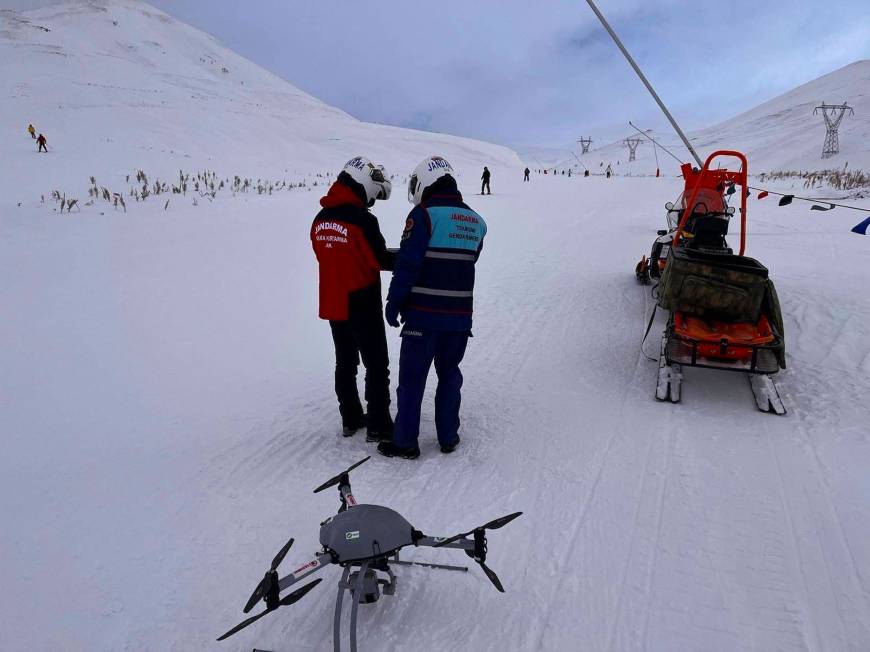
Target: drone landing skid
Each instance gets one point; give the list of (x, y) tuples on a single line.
[(364, 587)]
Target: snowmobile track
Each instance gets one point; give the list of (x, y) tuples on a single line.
[(660, 509)]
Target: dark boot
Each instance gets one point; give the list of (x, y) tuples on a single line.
[(389, 449), (380, 430), (349, 427), (449, 448)]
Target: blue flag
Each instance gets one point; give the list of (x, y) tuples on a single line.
[(862, 228)]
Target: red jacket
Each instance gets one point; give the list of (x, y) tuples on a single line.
[(351, 253)]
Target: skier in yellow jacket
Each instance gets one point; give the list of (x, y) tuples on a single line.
[(32, 131)]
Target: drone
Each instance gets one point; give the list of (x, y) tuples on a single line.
[(364, 540)]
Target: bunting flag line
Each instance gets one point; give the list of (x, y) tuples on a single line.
[(824, 205)]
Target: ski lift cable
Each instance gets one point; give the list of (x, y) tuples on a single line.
[(645, 81), (579, 161), (562, 161), (654, 142)]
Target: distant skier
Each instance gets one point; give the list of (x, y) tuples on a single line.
[(40, 142), (527, 173), (485, 178), (586, 173), (432, 288), (608, 171), (351, 253), (32, 131)]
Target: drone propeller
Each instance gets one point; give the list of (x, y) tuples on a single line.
[(479, 552), (492, 525), (492, 576), (268, 586), (286, 601), (337, 479)]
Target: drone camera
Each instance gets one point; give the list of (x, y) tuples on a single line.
[(371, 590)]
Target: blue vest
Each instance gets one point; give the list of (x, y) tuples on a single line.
[(434, 277)]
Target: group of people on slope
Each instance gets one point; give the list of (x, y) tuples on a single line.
[(431, 294), (40, 140)]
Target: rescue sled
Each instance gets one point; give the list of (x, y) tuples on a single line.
[(723, 309)]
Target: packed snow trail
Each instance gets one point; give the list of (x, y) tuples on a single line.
[(167, 411)]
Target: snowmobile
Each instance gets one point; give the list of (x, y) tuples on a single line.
[(723, 309), (364, 540)]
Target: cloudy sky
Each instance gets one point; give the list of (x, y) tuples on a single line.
[(537, 72)]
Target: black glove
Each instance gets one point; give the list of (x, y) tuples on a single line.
[(391, 312)]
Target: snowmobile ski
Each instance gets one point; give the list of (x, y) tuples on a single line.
[(766, 394), (670, 378)]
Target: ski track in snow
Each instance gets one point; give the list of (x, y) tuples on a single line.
[(172, 411)]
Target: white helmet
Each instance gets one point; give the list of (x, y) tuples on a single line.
[(373, 178), (424, 175)]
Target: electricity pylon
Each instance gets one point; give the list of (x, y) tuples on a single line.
[(584, 144), (632, 147), (833, 115)]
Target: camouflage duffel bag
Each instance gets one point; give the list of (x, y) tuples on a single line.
[(724, 287)]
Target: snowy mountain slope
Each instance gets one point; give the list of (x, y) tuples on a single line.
[(117, 85), (783, 133), (780, 134)]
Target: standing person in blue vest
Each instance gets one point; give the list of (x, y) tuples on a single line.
[(432, 289)]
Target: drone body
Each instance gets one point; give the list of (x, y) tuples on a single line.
[(365, 532), (363, 540)]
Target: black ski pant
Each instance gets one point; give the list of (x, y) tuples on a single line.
[(42, 148), (362, 336), (485, 186)]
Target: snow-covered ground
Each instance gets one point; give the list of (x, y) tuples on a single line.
[(166, 402), (167, 409)]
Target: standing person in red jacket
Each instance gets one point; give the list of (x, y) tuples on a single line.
[(41, 144), (351, 253)]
